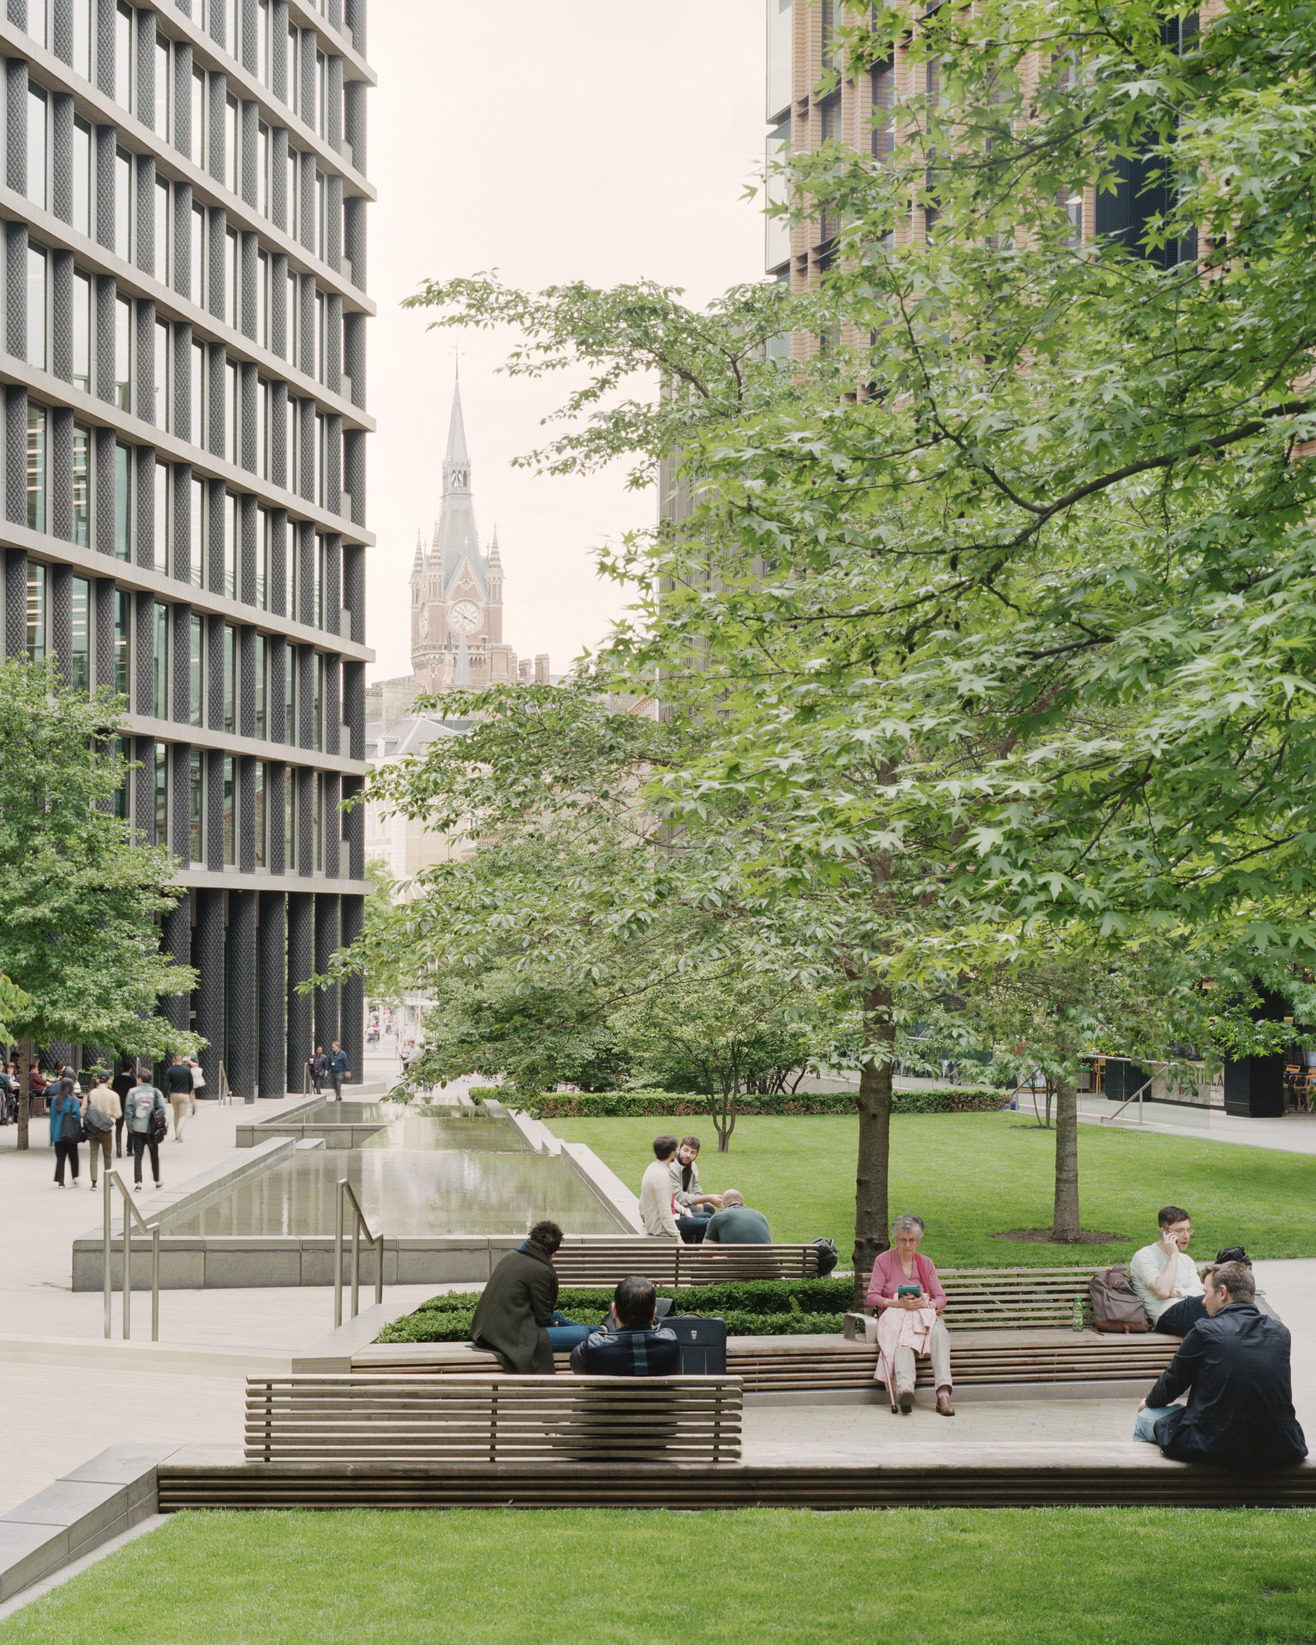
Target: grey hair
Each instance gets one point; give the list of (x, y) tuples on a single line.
[(907, 1224)]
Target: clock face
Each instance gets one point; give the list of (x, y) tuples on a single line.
[(424, 619), (464, 618)]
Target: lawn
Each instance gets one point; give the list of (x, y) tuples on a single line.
[(970, 1176), (917, 1577)]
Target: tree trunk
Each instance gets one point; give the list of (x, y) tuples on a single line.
[(724, 1118), (24, 1090), (872, 1219), (1064, 1222)]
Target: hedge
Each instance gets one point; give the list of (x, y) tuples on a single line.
[(751, 1308), (570, 1105)]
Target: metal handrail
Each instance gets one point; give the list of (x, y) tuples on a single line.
[(153, 1229), (225, 1089), (1136, 1097), (377, 1240)]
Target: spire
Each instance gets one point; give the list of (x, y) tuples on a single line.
[(495, 558), (462, 678), (418, 564), (456, 465)]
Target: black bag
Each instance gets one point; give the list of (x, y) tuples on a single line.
[(96, 1124), (70, 1127), (828, 1255), (703, 1344), (159, 1125)]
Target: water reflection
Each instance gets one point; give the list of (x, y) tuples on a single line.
[(422, 1174)]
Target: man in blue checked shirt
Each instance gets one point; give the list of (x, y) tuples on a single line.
[(632, 1343)]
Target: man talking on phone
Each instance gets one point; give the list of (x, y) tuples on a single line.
[(1166, 1278)]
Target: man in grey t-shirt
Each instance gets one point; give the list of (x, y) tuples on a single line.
[(736, 1224)]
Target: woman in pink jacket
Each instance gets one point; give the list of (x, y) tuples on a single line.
[(901, 1340)]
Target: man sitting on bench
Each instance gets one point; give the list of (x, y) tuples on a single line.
[(736, 1224), (1234, 1366), (1165, 1276), (633, 1344)]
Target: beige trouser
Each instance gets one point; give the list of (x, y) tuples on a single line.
[(180, 1107), (938, 1353), (95, 1146)]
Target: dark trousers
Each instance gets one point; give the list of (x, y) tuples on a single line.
[(693, 1226), (65, 1151), (336, 1080), (141, 1141), (1178, 1320), (118, 1137)]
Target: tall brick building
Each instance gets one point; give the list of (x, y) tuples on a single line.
[(184, 370)]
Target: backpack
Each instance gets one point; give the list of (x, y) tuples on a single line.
[(1116, 1306), (828, 1255), (70, 1126), (96, 1123)]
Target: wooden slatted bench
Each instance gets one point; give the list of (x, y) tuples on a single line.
[(978, 1298), (607, 1259), (490, 1419)]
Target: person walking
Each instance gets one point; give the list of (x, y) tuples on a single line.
[(102, 1116), (147, 1123), (122, 1082), (65, 1128), (178, 1083), (319, 1066), (339, 1069), (198, 1079)]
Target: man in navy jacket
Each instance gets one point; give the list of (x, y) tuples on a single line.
[(632, 1344), (1234, 1364)]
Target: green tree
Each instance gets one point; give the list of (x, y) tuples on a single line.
[(79, 900)]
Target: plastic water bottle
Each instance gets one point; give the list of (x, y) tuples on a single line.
[(1078, 1313)]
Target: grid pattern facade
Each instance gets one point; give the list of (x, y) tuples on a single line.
[(184, 501)]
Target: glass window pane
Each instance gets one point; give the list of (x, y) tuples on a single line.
[(163, 81), (163, 397), (36, 146), (81, 486), (259, 827), (230, 855), (82, 177), (161, 793), (36, 466), (123, 195), (123, 509), (36, 307), (232, 149), (123, 323), (197, 395), (36, 611), (232, 277), (82, 37), (195, 804), (164, 238), (199, 117), (123, 55), (81, 332), (290, 694), (79, 665), (122, 627), (195, 672), (160, 672), (163, 500), (263, 169), (262, 663), (196, 287), (231, 541), (197, 534), (231, 409), (230, 678), (294, 192)]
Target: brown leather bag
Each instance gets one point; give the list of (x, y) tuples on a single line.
[(1116, 1306)]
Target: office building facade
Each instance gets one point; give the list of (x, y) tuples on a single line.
[(184, 387)]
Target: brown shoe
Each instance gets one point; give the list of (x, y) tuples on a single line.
[(944, 1406)]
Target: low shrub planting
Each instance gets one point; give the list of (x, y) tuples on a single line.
[(550, 1105), (751, 1308)]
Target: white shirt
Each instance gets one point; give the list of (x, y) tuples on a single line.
[(1149, 1264), (656, 1201)]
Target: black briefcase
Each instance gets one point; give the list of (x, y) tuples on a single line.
[(703, 1344)]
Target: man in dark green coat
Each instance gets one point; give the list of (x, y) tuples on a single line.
[(517, 1304)]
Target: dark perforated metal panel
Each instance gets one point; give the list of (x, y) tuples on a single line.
[(354, 708), (180, 803), (16, 457), (247, 814), (354, 591), (61, 314), (218, 223), (176, 943), (247, 307), (215, 568), (61, 155), (333, 237), (59, 459), (301, 966), (334, 125), (351, 1005), (305, 821), (103, 342), (250, 119), (305, 690), (183, 98), (272, 991), (278, 566), (61, 30), (215, 673), (247, 435), (214, 810), (144, 505), (180, 670), (326, 945), (247, 682), (16, 286), (276, 789), (106, 137), (354, 239), (279, 475), (60, 586), (145, 232), (333, 461), (208, 957), (218, 97), (333, 350), (15, 602), (333, 825), (144, 67), (354, 472), (279, 184), (250, 522), (182, 548), (354, 833), (333, 579), (304, 536), (105, 46), (16, 123), (102, 519), (103, 640), (143, 652), (143, 785)]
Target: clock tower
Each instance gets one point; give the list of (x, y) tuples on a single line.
[(457, 588)]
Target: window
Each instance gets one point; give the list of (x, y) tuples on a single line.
[(259, 824), (294, 79), (233, 28), (263, 299), (293, 564), (82, 37), (160, 114), (36, 611), (232, 540), (81, 485), (321, 91), (263, 575), (294, 192), (123, 212), (320, 336), (293, 326), (232, 410), (196, 284), (36, 307), (123, 330), (82, 330), (36, 466), (195, 806), (36, 146), (81, 184), (199, 145), (262, 428), (37, 22), (197, 533), (123, 501), (263, 41), (230, 677), (320, 208), (79, 662), (232, 148), (197, 394), (262, 686), (290, 695), (164, 240), (160, 664), (162, 794), (123, 55), (122, 630), (196, 669), (229, 801), (164, 406), (294, 467), (321, 458), (232, 276), (263, 169), (162, 508)]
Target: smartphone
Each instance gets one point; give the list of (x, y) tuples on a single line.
[(910, 1291)]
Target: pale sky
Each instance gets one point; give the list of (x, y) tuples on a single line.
[(600, 140)]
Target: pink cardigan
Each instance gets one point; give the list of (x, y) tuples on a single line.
[(889, 1274)]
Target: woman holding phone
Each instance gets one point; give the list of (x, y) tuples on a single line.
[(906, 1295)]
